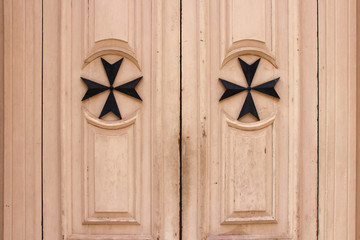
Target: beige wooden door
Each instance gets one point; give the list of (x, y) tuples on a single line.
[(180, 164), (115, 173), (249, 161), (145, 149)]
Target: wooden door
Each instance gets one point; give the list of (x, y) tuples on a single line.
[(244, 93), (111, 168), (180, 163), (249, 111)]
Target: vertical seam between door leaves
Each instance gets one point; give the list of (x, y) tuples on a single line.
[(318, 118), (180, 131), (42, 120)]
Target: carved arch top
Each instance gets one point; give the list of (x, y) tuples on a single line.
[(116, 124), (249, 47), (111, 47), (249, 126)]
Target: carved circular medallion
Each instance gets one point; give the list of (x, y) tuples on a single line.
[(111, 83), (249, 83)]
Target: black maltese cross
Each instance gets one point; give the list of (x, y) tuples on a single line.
[(96, 88), (249, 72)]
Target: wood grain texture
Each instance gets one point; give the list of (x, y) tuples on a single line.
[(337, 183), (22, 119)]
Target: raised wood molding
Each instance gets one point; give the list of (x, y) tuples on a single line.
[(358, 123), (51, 121), (337, 119), (22, 119), (1, 118)]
